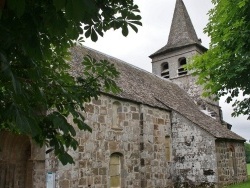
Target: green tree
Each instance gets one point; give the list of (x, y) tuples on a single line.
[(225, 68), (35, 38), (247, 149)]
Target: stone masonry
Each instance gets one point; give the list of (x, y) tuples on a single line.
[(231, 162), (194, 154), (139, 138)]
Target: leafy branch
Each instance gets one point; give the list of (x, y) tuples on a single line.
[(38, 93)]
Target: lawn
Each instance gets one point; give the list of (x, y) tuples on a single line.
[(244, 184)]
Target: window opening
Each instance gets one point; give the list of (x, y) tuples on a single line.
[(115, 170), (181, 69), (167, 147), (165, 70), (117, 108), (232, 160)]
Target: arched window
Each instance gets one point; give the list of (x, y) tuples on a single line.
[(232, 160), (165, 70), (115, 170), (181, 70), (117, 109), (167, 147)]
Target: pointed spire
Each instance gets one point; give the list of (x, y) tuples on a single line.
[(182, 31)]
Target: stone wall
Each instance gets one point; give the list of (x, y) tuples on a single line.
[(134, 132), (206, 105), (155, 160), (231, 162), (194, 154), (150, 152)]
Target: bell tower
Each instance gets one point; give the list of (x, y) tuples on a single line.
[(169, 61)]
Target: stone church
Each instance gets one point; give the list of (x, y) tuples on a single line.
[(157, 133)]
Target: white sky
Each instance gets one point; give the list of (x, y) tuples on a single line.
[(156, 19)]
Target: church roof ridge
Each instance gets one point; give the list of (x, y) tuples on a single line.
[(112, 57), (182, 32)]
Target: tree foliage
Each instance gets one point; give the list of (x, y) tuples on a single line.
[(225, 68), (247, 149), (37, 91)]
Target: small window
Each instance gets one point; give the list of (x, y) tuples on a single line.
[(165, 70), (115, 170), (117, 109), (232, 161), (167, 147), (181, 69), (213, 114)]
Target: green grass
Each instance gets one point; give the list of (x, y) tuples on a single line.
[(248, 169)]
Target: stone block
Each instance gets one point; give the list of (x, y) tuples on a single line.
[(160, 121), (96, 111), (100, 155), (89, 108), (132, 109), (103, 111), (103, 171), (97, 180), (96, 102), (64, 184), (135, 116), (101, 119), (90, 181), (125, 123), (95, 171), (82, 181), (81, 148), (113, 146), (136, 169), (82, 164), (100, 135)]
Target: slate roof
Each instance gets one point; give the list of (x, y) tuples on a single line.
[(182, 32), (146, 88)]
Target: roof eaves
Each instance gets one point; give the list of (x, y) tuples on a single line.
[(166, 49)]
